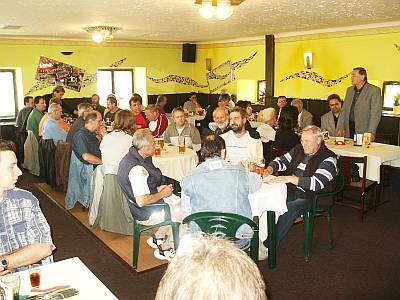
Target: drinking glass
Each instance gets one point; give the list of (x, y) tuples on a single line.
[(34, 276), (181, 143), (13, 281)]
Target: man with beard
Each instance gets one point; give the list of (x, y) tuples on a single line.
[(240, 146), (221, 121)]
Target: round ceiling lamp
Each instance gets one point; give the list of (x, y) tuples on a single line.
[(102, 33), (221, 9)]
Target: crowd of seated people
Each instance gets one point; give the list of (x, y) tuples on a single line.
[(126, 151)]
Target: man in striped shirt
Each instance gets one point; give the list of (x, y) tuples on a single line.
[(307, 168)]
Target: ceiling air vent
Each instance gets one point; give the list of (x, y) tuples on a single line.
[(11, 27)]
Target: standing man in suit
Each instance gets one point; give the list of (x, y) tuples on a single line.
[(305, 117), (362, 108), (330, 120)]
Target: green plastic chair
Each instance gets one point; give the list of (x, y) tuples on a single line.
[(138, 228), (226, 225), (316, 210)]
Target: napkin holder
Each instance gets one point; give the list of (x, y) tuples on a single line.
[(340, 141)]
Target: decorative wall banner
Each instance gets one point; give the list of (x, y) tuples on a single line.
[(217, 73), (178, 79), (54, 72), (313, 76), (45, 77), (220, 76)]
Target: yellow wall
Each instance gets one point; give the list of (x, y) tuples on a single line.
[(158, 61), (334, 57)]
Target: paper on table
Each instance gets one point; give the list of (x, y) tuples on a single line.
[(268, 178)]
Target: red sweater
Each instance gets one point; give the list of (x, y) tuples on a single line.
[(141, 121), (162, 124)]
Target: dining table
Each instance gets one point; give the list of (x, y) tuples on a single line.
[(176, 165), (70, 272), (378, 154), (268, 203)]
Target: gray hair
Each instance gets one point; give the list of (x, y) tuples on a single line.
[(140, 138), (53, 108), (267, 114), (297, 101), (83, 107), (315, 130)]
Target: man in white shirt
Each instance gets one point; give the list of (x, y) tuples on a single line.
[(181, 127), (240, 147)]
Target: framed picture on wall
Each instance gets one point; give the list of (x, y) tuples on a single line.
[(261, 91)]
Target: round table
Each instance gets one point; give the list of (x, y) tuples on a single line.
[(175, 165)]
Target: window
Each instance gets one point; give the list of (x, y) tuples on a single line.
[(8, 95), (115, 81)]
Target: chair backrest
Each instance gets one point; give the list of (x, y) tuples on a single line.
[(220, 223), (347, 165)]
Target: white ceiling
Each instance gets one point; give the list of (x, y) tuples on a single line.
[(179, 20)]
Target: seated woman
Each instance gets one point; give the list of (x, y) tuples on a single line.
[(286, 137), (109, 207)]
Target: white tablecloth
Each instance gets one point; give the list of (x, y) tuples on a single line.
[(377, 154), (270, 197), (71, 272), (175, 165)]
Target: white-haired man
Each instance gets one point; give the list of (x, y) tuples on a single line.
[(305, 118), (307, 168), (51, 127), (221, 121), (83, 110)]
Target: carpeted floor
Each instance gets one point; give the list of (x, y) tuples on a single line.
[(365, 263)]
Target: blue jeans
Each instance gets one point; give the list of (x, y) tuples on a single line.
[(296, 207)]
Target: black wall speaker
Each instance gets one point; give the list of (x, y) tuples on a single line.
[(189, 53)]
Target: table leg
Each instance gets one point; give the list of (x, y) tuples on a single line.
[(271, 239)]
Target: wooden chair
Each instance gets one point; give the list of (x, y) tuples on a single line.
[(362, 187), (226, 225)]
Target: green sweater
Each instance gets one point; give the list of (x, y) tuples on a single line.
[(33, 122)]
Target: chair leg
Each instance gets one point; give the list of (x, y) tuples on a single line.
[(271, 239), (329, 216), (136, 241), (362, 206), (308, 233), (175, 234)]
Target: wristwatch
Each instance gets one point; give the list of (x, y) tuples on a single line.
[(4, 263)]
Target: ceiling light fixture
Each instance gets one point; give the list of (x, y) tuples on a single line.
[(102, 33), (222, 9)]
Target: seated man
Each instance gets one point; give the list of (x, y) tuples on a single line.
[(36, 115), (181, 127), (85, 156), (85, 145), (240, 146), (25, 233), (304, 118), (112, 108), (95, 101), (158, 121), (161, 103), (209, 267), (221, 121), (144, 183), (329, 121), (216, 185), (223, 101), (135, 104), (51, 127), (24, 112), (83, 110), (307, 168)]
